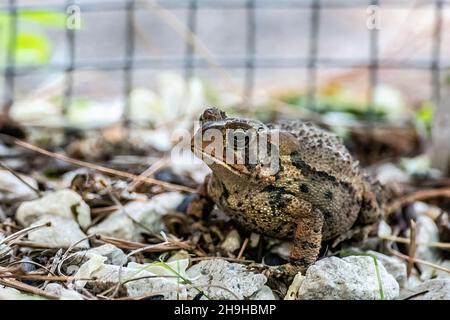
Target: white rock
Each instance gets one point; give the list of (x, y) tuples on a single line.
[(170, 287), (63, 293), (443, 274), (412, 281), (37, 110), (13, 190), (384, 229), (7, 293), (438, 289), (389, 173), (254, 239), (117, 225), (264, 294), (113, 254), (426, 231), (63, 232), (353, 277), (64, 203), (139, 217), (209, 274), (232, 242), (283, 249), (3, 247), (395, 266), (425, 209)]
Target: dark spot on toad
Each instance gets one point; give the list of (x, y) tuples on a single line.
[(304, 188)]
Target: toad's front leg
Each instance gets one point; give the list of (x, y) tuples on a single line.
[(306, 242)]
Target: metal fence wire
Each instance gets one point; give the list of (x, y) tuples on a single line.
[(249, 62)]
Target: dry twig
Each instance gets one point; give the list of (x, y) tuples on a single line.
[(114, 172)]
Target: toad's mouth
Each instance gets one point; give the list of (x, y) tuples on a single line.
[(211, 159)]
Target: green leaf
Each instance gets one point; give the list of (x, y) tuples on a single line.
[(46, 18), (32, 49), (425, 113)]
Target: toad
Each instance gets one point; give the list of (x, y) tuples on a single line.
[(290, 180)]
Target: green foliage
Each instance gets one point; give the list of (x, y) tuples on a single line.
[(32, 46), (45, 18), (333, 103), (425, 114)]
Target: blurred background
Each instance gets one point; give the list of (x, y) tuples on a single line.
[(353, 66)]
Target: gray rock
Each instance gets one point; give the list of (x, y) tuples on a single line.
[(232, 242), (437, 289), (7, 293), (63, 203), (283, 249), (443, 274), (63, 232), (139, 279), (426, 231), (13, 190), (142, 286), (265, 293), (395, 266), (138, 217), (209, 274), (117, 225), (63, 293), (4, 249), (113, 254), (353, 277)]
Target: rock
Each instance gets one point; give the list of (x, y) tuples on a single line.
[(412, 281), (443, 274), (438, 289), (13, 190), (426, 231), (232, 242), (139, 217), (63, 293), (209, 274), (63, 232), (3, 247), (113, 254), (443, 223), (388, 173), (393, 265), (283, 250), (384, 229), (254, 239), (264, 294), (117, 225), (425, 209), (64, 203), (7, 293), (170, 287), (353, 277)]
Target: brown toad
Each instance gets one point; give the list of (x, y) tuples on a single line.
[(303, 185)]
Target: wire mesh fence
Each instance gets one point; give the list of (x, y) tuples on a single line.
[(191, 60)]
